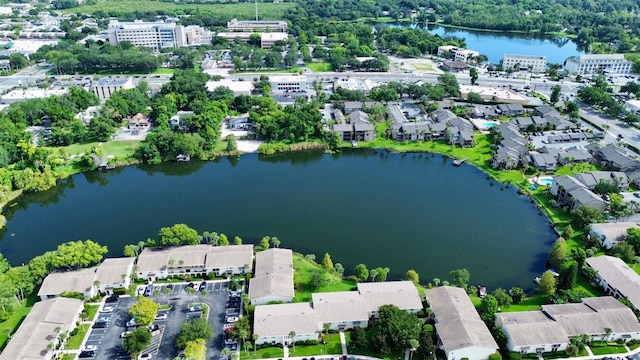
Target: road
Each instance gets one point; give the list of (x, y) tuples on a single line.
[(24, 77), (614, 127)]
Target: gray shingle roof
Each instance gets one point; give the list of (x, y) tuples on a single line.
[(619, 276)]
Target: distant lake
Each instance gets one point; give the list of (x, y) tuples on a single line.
[(495, 44), (413, 211)]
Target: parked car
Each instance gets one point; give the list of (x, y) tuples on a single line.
[(148, 291), (195, 308), (232, 319), (87, 354), (112, 299), (203, 285), (107, 309), (191, 285), (125, 334), (144, 357), (104, 319), (99, 325), (90, 348), (132, 322), (161, 317)]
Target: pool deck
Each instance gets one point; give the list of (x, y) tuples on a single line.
[(539, 180)]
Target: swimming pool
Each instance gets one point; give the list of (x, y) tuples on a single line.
[(545, 181), (489, 124)]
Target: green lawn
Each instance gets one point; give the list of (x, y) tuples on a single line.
[(293, 70), (119, 148), (530, 303), (422, 66), (68, 357), (266, 353), (75, 341), (610, 349), (91, 311), (319, 66), (332, 346), (239, 10), (305, 268), (10, 325)]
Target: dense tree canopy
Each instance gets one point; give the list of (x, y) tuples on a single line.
[(77, 254), (396, 328)]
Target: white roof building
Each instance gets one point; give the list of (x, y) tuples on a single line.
[(81, 281), (533, 63), (617, 278), (461, 332), (238, 87), (610, 234), (114, 273), (39, 329), (594, 63), (273, 277), (502, 95)]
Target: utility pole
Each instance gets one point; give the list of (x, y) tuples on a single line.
[(256, 10)]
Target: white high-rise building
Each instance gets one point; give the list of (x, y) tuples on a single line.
[(459, 54), (257, 25), (157, 35), (594, 63), (533, 63)]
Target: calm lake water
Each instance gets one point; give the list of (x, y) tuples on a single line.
[(413, 211), (495, 44)]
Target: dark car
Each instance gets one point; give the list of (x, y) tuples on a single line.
[(191, 285), (148, 290), (112, 299), (100, 325), (87, 354), (203, 285)]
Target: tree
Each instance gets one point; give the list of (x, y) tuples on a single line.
[(585, 215), (264, 243), (327, 264), (382, 273), (413, 346), (547, 284), (460, 277), (275, 242), (488, 308), (77, 254), (178, 234), (396, 328), (412, 276), (339, 269), (223, 240), (503, 298), (473, 73), (624, 251), (192, 330), (558, 253), (517, 294), (361, 272), (237, 240), (568, 276), (555, 94), (231, 143), (196, 349), (580, 256), (137, 341), (450, 84), (18, 61), (474, 98), (292, 336), (359, 339), (144, 311)]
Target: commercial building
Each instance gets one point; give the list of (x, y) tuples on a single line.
[(266, 39), (551, 328), (105, 87), (238, 87), (41, 328), (257, 25), (157, 35), (595, 63), (288, 83), (533, 63), (501, 95), (461, 333), (458, 54)]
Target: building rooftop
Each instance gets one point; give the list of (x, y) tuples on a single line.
[(273, 274), (339, 306), (402, 294), (111, 271), (80, 280), (230, 256), (457, 322), (38, 329), (281, 319), (619, 276)]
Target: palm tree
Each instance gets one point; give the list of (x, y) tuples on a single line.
[(275, 242), (436, 282), (608, 332), (413, 346), (255, 338), (373, 274), (225, 353), (292, 335)]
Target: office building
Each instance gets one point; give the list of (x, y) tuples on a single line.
[(533, 63), (595, 63)]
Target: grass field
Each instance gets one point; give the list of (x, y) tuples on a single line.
[(240, 10), (91, 311), (75, 341), (332, 346), (611, 349), (422, 66), (266, 353), (319, 66), (118, 148)]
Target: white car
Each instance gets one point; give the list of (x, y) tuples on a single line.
[(90, 348), (232, 319), (161, 317), (125, 334), (107, 309), (144, 357)]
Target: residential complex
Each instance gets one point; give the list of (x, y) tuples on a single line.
[(341, 310), (40, 329), (273, 277), (609, 235), (551, 328), (617, 278), (594, 63), (257, 25), (533, 63), (461, 333)]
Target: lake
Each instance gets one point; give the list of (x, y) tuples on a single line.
[(413, 211), (495, 44)]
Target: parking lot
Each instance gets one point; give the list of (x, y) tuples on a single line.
[(108, 342)]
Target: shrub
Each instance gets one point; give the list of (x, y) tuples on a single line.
[(120, 291)]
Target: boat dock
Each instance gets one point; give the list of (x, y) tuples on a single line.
[(458, 162)]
